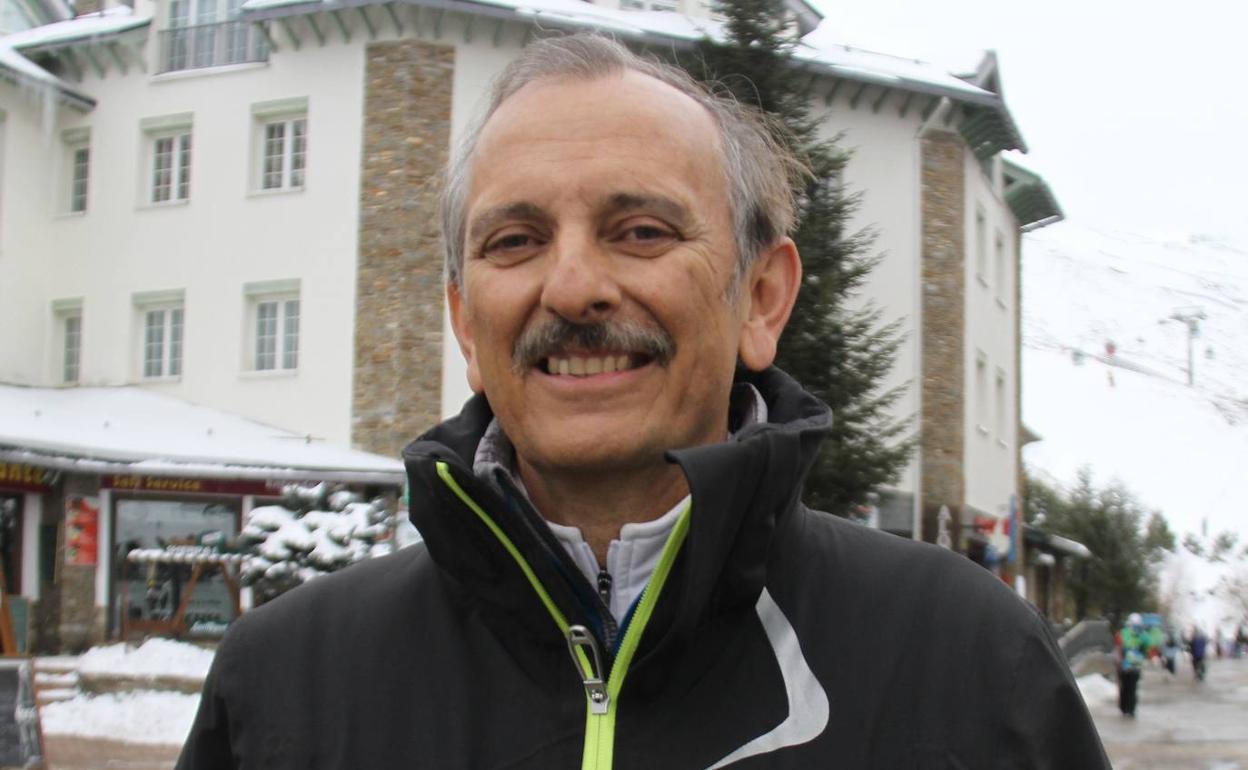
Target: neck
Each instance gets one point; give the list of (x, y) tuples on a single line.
[(601, 503)]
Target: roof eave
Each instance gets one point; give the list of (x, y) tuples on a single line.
[(195, 469), (1031, 199), (86, 37), (66, 94)]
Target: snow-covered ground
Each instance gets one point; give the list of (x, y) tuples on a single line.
[(154, 658), (1105, 380), (142, 716)]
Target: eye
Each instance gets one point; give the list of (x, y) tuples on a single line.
[(511, 246), (646, 237), (645, 233)]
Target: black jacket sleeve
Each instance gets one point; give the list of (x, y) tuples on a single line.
[(208, 745), (1048, 724)]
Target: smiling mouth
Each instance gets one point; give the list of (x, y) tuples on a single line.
[(575, 365)]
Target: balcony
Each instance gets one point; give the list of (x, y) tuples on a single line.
[(212, 45)]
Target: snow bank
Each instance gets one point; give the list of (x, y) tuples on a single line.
[(154, 658), (1096, 689), (139, 717)]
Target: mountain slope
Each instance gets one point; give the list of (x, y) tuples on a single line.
[(1105, 377)]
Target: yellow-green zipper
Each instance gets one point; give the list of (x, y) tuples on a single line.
[(599, 719)]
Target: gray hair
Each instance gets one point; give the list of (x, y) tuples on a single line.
[(760, 169)]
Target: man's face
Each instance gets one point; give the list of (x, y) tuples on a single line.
[(600, 202)]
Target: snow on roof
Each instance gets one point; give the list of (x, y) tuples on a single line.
[(110, 21), (842, 60), (156, 433), (857, 63)]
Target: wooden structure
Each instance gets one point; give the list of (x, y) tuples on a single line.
[(202, 562)]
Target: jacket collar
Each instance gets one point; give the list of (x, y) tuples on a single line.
[(741, 489)]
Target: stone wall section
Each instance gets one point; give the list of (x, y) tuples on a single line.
[(79, 623), (942, 432), (397, 388)]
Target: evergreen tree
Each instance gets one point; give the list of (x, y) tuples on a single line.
[(1121, 576), (835, 344)]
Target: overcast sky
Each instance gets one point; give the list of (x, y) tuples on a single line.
[(1135, 112)]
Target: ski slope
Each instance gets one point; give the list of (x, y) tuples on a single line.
[(1105, 378)]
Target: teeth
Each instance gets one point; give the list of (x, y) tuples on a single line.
[(587, 366)]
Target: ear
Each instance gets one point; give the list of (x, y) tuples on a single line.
[(463, 333), (768, 295)]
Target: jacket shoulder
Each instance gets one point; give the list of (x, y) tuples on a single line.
[(899, 585)]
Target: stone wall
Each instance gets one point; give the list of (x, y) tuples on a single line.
[(78, 622), (397, 390), (943, 331)]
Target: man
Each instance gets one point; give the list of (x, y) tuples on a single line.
[(617, 570), (1133, 650)]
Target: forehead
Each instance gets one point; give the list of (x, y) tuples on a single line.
[(597, 137)]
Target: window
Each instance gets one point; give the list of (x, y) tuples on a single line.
[(279, 145), (981, 392), (171, 168), (1000, 407), (161, 324), (277, 334), (273, 327), (73, 349), (981, 246), (68, 316), (78, 163), (285, 152), (167, 167), (209, 33), (1002, 277)]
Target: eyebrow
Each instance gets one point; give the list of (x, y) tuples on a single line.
[(492, 218), (679, 214)]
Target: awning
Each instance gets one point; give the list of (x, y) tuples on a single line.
[(1054, 544), (130, 430), (1029, 197)]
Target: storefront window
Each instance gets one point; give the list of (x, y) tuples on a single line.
[(154, 591)]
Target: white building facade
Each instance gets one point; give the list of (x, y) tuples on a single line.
[(234, 203)]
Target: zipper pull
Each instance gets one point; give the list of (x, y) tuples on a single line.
[(580, 638), (604, 587)]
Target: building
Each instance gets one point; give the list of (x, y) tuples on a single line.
[(234, 204)]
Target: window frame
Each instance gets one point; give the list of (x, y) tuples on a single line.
[(1000, 251), (291, 170), (981, 393), (171, 307), (77, 158), (981, 245), (177, 188), (999, 405), (67, 313), (286, 331)]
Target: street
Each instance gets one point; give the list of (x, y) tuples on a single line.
[(1181, 724)]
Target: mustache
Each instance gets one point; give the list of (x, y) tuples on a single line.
[(542, 339)]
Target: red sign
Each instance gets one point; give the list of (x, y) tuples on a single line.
[(82, 527), (26, 477), (179, 485)]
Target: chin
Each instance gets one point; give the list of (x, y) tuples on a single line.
[(590, 454)]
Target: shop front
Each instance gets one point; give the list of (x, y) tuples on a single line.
[(105, 535)]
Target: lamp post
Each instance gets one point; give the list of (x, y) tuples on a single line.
[(1191, 318)]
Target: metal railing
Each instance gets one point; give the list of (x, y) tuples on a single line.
[(212, 45)]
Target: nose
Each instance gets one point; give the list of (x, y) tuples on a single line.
[(580, 284)]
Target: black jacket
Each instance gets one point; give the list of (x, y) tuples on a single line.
[(779, 638)]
